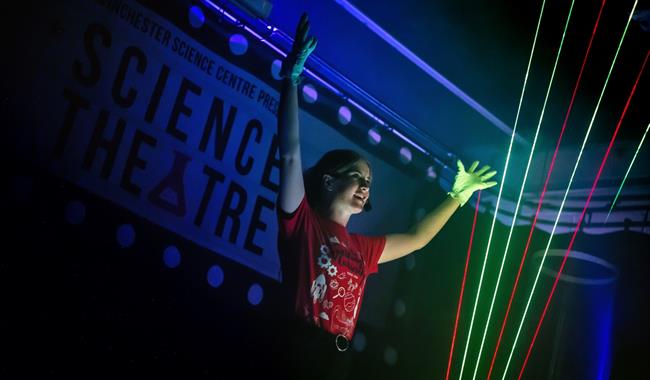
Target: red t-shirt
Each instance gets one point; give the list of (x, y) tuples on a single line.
[(327, 266)]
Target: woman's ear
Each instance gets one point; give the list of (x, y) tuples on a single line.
[(328, 182)]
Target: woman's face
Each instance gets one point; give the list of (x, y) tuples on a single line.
[(353, 187)]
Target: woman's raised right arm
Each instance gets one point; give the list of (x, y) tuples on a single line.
[(292, 187)]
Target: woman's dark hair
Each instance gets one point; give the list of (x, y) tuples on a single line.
[(335, 162)]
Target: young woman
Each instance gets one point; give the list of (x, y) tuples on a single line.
[(325, 265)]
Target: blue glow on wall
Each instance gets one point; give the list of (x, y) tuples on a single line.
[(238, 44), (215, 276), (171, 257), (196, 16), (604, 339), (255, 294), (125, 235)]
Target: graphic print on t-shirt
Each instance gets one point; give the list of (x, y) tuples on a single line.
[(318, 288), (341, 321), (332, 267), (340, 269)]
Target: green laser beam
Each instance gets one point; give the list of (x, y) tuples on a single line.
[(627, 172), (521, 192), (584, 142), (503, 179)]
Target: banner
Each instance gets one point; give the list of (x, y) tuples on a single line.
[(146, 117)]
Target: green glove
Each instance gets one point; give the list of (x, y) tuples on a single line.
[(467, 182), (294, 63)]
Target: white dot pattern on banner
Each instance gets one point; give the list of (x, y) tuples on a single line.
[(215, 276), (390, 356), (75, 212), (405, 155), (374, 137), (431, 174), (171, 257), (255, 294), (359, 341), (196, 17), (276, 66), (238, 44), (345, 116), (125, 235), (309, 93)]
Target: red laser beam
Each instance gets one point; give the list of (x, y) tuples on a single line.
[(541, 199), (584, 210), (462, 287)]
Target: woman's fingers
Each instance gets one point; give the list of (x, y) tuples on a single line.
[(483, 170), (461, 167), (304, 20), (302, 29), (312, 43), (488, 175), (304, 32), (487, 185)]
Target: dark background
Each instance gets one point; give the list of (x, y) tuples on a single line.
[(74, 301)]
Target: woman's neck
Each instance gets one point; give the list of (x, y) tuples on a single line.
[(335, 214)]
